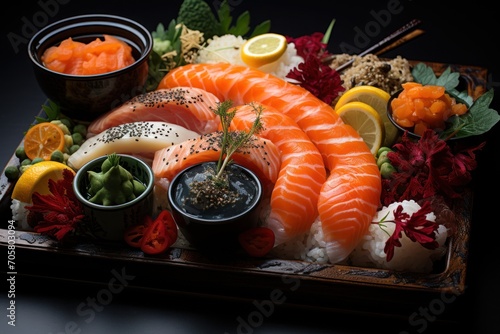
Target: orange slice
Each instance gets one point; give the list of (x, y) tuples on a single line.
[(42, 139)]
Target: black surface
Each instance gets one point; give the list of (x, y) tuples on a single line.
[(453, 34)]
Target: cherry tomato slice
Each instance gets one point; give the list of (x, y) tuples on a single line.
[(133, 234), (160, 235), (257, 241)]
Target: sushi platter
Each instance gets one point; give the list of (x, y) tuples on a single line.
[(189, 271)]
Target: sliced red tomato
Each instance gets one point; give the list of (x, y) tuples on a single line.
[(133, 234), (160, 235), (257, 241)]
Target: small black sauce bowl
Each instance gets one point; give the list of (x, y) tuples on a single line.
[(211, 234), (85, 97)]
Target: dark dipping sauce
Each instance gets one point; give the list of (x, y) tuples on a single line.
[(244, 186)]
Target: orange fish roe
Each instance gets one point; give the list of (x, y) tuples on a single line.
[(424, 106), (96, 57)]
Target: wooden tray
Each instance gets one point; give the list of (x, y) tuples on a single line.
[(186, 271)]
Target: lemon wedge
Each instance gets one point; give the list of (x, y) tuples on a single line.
[(366, 121), (263, 49), (376, 98), (36, 179)]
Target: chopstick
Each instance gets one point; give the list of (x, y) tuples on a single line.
[(404, 29), (400, 41)]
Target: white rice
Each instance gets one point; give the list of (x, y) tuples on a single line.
[(226, 48), (309, 247), (20, 215), (411, 256)]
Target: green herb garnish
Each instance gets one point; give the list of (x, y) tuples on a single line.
[(233, 140), (478, 120), (52, 111), (328, 32), (167, 52), (242, 26)]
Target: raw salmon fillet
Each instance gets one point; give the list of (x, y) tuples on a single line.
[(259, 155), (351, 194), (188, 107), (295, 195)]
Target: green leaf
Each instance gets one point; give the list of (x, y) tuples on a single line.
[(326, 36), (242, 25), (159, 32), (52, 110), (426, 76), (261, 28), (225, 18), (478, 120)]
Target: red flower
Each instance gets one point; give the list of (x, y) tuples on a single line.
[(319, 79), (58, 213), (427, 168), (314, 75), (416, 227), (310, 45)]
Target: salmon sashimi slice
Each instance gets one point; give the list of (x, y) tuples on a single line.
[(137, 138), (259, 155), (97, 57), (295, 195), (191, 108), (350, 196)]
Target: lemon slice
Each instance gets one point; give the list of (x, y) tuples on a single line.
[(376, 98), (263, 49), (36, 179), (366, 121)]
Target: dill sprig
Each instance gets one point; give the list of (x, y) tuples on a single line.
[(233, 140)]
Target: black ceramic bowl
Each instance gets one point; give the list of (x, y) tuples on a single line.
[(84, 97), (215, 230)]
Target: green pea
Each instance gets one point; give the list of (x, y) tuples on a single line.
[(20, 153), (73, 149), (12, 173), (57, 156), (77, 138), (23, 168), (62, 126), (382, 158), (383, 149), (37, 160), (26, 162), (386, 170), (67, 122), (81, 129)]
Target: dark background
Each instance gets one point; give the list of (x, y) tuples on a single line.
[(453, 34)]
